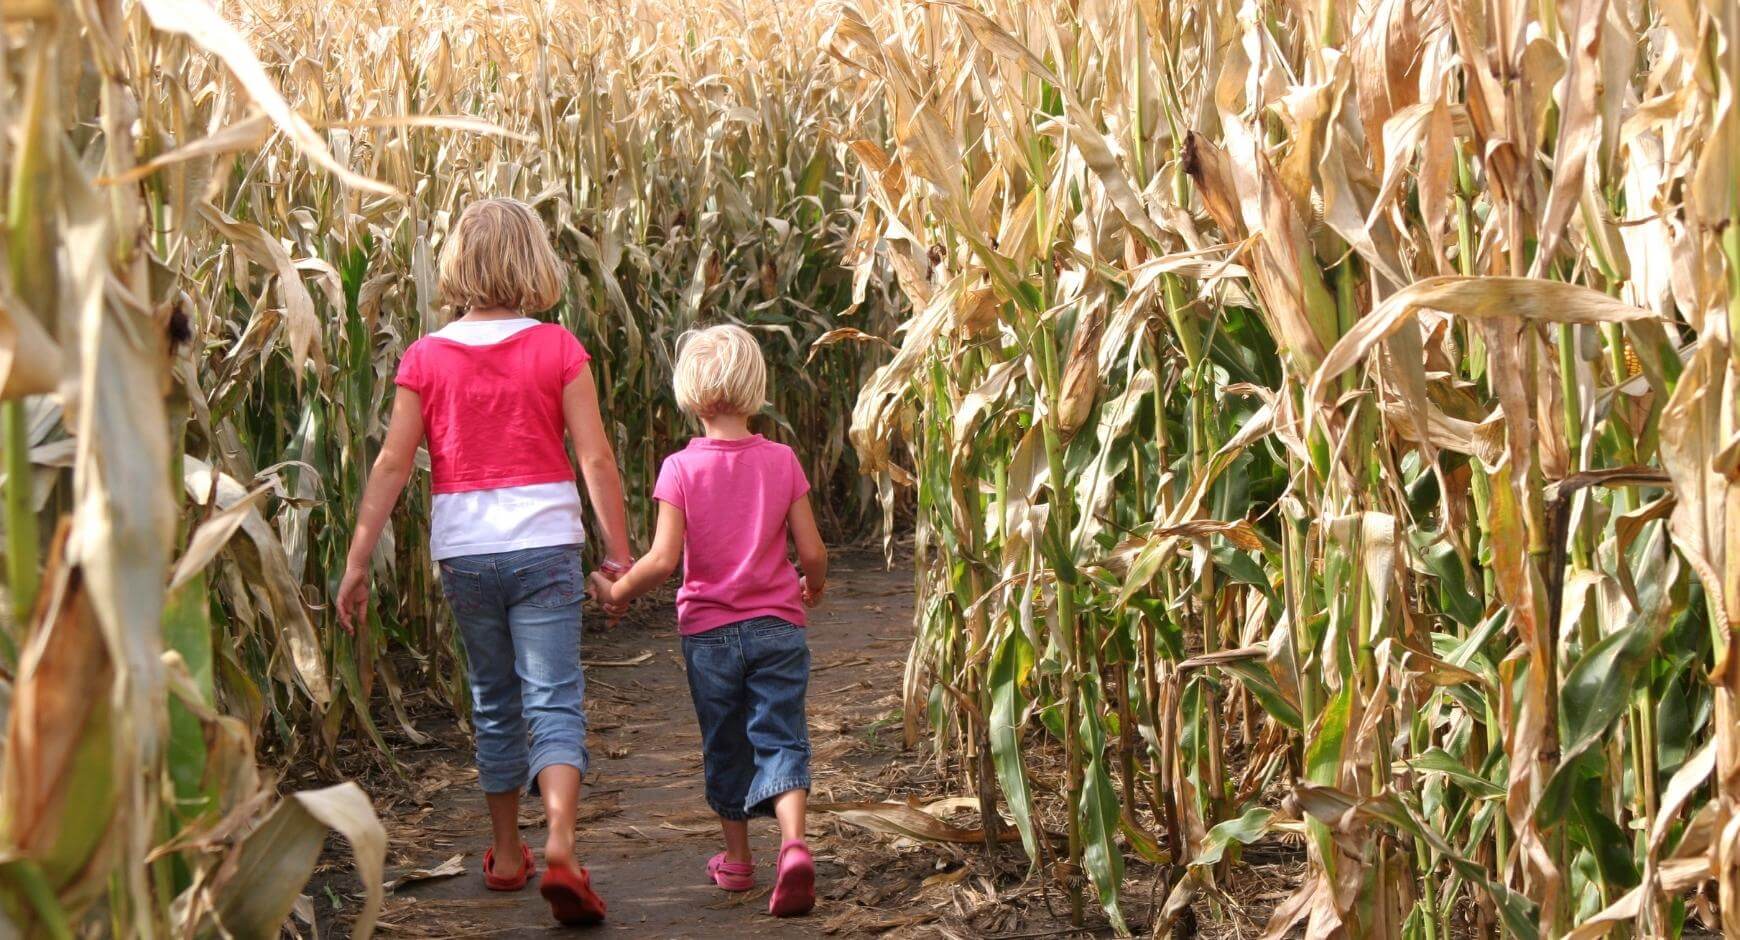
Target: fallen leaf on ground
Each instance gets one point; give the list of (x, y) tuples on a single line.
[(945, 878), (860, 661), (635, 661), (952, 804), (448, 869), (899, 819)]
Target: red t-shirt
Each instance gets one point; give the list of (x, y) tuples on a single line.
[(492, 414)]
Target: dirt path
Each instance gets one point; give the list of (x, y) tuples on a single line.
[(645, 830)]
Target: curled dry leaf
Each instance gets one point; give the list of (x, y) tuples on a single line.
[(30, 360), (257, 886), (1474, 298), (453, 867), (266, 566), (58, 786), (844, 334)]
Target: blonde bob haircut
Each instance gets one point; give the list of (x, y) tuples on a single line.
[(498, 255), (720, 372)]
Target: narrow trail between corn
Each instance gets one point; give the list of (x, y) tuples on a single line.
[(645, 830)]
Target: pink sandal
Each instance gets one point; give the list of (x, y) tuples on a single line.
[(732, 876), (794, 888)]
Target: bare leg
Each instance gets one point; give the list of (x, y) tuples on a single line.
[(736, 839), (504, 824), (790, 807), (560, 784)]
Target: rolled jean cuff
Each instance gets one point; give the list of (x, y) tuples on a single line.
[(760, 802), (554, 755), (501, 779), (727, 813)]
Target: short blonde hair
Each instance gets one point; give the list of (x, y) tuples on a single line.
[(720, 372), (499, 255)]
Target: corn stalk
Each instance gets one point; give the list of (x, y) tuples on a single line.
[(128, 804)]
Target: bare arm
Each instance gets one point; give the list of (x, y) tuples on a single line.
[(387, 480), (597, 465), (653, 567), (812, 554)]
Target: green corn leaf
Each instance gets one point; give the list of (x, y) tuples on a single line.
[(1441, 559), (1009, 664), (1595, 831), (1255, 675), (1437, 760), (1591, 698), (187, 630), (1244, 830), (1323, 753), (1100, 817)]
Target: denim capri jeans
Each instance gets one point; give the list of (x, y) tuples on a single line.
[(519, 618), (748, 680)]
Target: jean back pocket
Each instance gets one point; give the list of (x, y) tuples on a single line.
[(463, 589), (551, 582)]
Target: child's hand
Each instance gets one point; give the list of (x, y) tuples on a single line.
[(602, 589), (353, 598), (812, 592), (605, 591)]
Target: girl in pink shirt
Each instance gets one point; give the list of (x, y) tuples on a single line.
[(493, 394), (728, 503)]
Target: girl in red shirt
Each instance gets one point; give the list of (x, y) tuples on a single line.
[(493, 394)]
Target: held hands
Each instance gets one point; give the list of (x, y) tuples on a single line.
[(603, 590), (603, 587), (812, 592)]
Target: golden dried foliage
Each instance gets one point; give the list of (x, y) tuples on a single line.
[(1323, 415)]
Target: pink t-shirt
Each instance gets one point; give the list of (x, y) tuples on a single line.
[(493, 414), (734, 496)]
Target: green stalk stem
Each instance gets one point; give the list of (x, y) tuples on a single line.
[(23, 550)]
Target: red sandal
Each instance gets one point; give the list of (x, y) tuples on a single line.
[(494, 882), (572, 900)]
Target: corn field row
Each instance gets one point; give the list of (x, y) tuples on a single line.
[(1322, 424), (685, 174), (1319, 417)]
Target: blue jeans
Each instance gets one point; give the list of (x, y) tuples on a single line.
[(748, 680), (519, 617)]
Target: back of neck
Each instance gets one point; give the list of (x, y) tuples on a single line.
[(483, 314), (726, 427)]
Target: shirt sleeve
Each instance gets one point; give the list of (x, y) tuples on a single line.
[(574, 357), (410, 374), (669, 488), (800, 482)]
